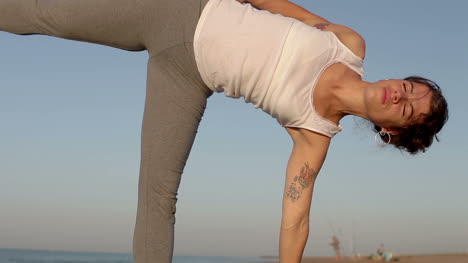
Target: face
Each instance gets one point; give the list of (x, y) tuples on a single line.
[(397, 103)]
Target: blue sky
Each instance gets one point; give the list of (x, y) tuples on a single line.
[(71, 119)]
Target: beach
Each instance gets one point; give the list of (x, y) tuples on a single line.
[(436, 258)]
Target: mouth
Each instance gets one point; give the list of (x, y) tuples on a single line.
[(385, 95)]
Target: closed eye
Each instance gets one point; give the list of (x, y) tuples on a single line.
[(412, 111), (410, 114), (405, 88)]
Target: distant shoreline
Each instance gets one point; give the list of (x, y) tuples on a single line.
[(64, 251), (414, 258), (417, 258)]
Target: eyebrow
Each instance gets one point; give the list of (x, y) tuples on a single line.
[(412, 86)]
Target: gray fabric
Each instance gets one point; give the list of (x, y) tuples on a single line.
[(175, 100)]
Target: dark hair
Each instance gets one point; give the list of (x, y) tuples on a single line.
[(419, 136)]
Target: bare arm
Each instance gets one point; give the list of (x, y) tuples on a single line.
[(304, 164), (348, 36), (288, 9)]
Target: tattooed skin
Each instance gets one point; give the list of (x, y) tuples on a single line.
[(301, 182), (321, 26), (293, 192)]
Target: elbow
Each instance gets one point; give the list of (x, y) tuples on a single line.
[(296, 224)]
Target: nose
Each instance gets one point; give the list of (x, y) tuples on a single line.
[(397, 96)]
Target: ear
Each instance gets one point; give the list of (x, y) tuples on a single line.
[(389, 131)]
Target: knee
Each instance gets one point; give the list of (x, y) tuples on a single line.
[(163, 205), (160, 193)]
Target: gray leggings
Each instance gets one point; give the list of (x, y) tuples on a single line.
[(175, 98)]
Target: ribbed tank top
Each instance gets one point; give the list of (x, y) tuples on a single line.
[(273, 61)]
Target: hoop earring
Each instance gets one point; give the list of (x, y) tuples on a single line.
[(379, 135)]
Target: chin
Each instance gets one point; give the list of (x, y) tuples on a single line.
[(372, 100)]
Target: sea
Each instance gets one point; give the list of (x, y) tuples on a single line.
[(44, 256)]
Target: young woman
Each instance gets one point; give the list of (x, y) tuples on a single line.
[(298, 67)]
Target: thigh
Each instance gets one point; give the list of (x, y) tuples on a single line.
[(176, 99), (116, 23), (126, 24)]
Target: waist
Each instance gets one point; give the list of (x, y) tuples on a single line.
[(237, 47)]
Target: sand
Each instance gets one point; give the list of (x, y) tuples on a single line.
[(444, 258)]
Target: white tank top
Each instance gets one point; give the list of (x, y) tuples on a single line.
[(274, 62)]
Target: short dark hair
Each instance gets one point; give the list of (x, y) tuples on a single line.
[(417, 137)]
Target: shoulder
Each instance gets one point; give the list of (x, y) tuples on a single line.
[(350, 38)]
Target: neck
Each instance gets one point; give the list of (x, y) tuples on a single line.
[(348, 97)]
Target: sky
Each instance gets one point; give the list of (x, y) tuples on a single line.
[(70, 131)]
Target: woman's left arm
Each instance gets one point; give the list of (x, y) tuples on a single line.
[(287, 9), (306, 159)]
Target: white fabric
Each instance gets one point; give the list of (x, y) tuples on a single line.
[(272, 61)]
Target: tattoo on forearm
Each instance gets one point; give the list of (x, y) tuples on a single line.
[(301, 182), (321, 26)]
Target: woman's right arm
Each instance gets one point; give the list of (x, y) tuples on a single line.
[(348, 36), (306, 159)]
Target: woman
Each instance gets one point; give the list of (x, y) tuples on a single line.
[(298, 67)]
